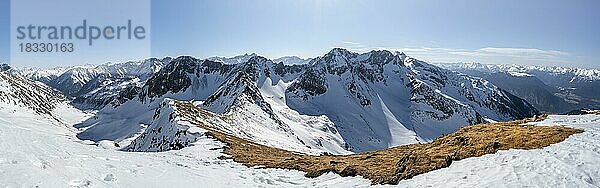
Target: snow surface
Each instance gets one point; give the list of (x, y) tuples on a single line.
[(292, 60)]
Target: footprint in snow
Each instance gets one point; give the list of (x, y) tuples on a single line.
[(80, 183), (110, 166), (110, 177)]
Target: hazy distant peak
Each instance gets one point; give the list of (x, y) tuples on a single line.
[(292, 60), (233, 60)]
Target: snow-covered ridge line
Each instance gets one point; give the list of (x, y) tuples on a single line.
[(550, 89), (587, 73)]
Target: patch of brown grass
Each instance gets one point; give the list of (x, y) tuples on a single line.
[(389, 166)]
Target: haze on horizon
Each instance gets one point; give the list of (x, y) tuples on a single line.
[(550, 33)]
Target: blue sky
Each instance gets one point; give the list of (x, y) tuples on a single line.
[(521, 32), (4, 30)]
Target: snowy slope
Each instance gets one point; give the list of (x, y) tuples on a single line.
[(165, 132)]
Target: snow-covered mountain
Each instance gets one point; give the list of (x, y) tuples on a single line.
[(40, 149), (341, 102), (232, 94), (574, 72), (550, 89), (382, 99), (94, 86), (292, 60), (287, 60), (233, 60), (19, 94)]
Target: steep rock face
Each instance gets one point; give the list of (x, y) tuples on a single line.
[(172, 78), (243, 80), (187, 77)]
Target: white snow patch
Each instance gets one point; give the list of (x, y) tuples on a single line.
[(574, 162)]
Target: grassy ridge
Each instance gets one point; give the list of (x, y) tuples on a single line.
[(389, 166)]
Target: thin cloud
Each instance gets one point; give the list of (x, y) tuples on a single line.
[(495, 55), (351, 43), (513, 52)]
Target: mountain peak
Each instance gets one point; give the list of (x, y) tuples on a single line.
[(185, 58), (399, 54), (339, 52), (292, 60), (5, 67), (258, 59), (382, 53)]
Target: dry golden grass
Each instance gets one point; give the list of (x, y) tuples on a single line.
[(389, 166)]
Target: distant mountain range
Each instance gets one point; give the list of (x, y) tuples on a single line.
[(549, 89)]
